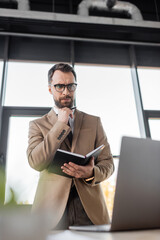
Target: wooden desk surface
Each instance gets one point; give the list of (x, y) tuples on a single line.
[(130, 235)]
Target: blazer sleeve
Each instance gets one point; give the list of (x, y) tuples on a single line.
[(41, 149), (104, 166)]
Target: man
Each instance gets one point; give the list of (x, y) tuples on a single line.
[(77, 199)]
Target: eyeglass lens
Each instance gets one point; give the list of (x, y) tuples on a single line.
[(60, 87)]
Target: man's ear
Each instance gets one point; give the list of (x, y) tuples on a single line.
[(50, 90)]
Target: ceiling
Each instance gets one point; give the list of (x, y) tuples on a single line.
[(69, 26), (150, 9)]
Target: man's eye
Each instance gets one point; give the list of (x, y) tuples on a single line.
[(59, 86)]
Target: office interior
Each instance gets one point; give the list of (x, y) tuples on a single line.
[(114, 47)]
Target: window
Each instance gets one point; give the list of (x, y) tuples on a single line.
[(27, 85), (20, 177), (150, 84), (154, 125), (109, 187), (107, 92)]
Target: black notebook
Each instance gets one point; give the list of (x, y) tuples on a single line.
[(63, 156)]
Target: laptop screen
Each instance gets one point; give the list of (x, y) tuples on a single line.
[(137, 197)]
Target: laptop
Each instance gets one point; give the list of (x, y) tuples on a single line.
[(137, 196)]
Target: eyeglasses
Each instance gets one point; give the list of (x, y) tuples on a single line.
[(61, 87)]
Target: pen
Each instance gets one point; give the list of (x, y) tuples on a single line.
[(73, 108)]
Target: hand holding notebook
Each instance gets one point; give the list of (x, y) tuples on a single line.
[(63, 156)]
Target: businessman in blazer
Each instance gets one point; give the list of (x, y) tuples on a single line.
[(77, 199)]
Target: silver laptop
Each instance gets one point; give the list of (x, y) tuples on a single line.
[(137, 196)]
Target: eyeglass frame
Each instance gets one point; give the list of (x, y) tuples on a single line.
[(64, 86)]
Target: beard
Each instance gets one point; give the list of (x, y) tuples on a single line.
[(66, 104)]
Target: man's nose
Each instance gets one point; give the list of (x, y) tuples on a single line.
[(66, 91)]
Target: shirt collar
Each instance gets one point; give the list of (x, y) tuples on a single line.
[(55, 109)]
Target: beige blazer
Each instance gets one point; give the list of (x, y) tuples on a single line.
[(46, 135)]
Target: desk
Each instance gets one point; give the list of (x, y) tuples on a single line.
[(130, 235)]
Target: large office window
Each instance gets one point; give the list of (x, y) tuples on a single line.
[(27, 85), (150, 84), (149, 79), (107, 92)]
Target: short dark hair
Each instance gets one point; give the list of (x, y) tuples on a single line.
[(63, 67)]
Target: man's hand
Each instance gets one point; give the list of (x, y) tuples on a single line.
[(64, 113), (78, 171)]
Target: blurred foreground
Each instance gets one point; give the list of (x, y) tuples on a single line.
[(19, 224)]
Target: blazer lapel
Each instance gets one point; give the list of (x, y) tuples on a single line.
[(77, 127), (52, 117)]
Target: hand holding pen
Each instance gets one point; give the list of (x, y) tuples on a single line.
[(65, 113)]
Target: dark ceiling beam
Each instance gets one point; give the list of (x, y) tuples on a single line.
[(80, 39), (74, 27), (59, 17)]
